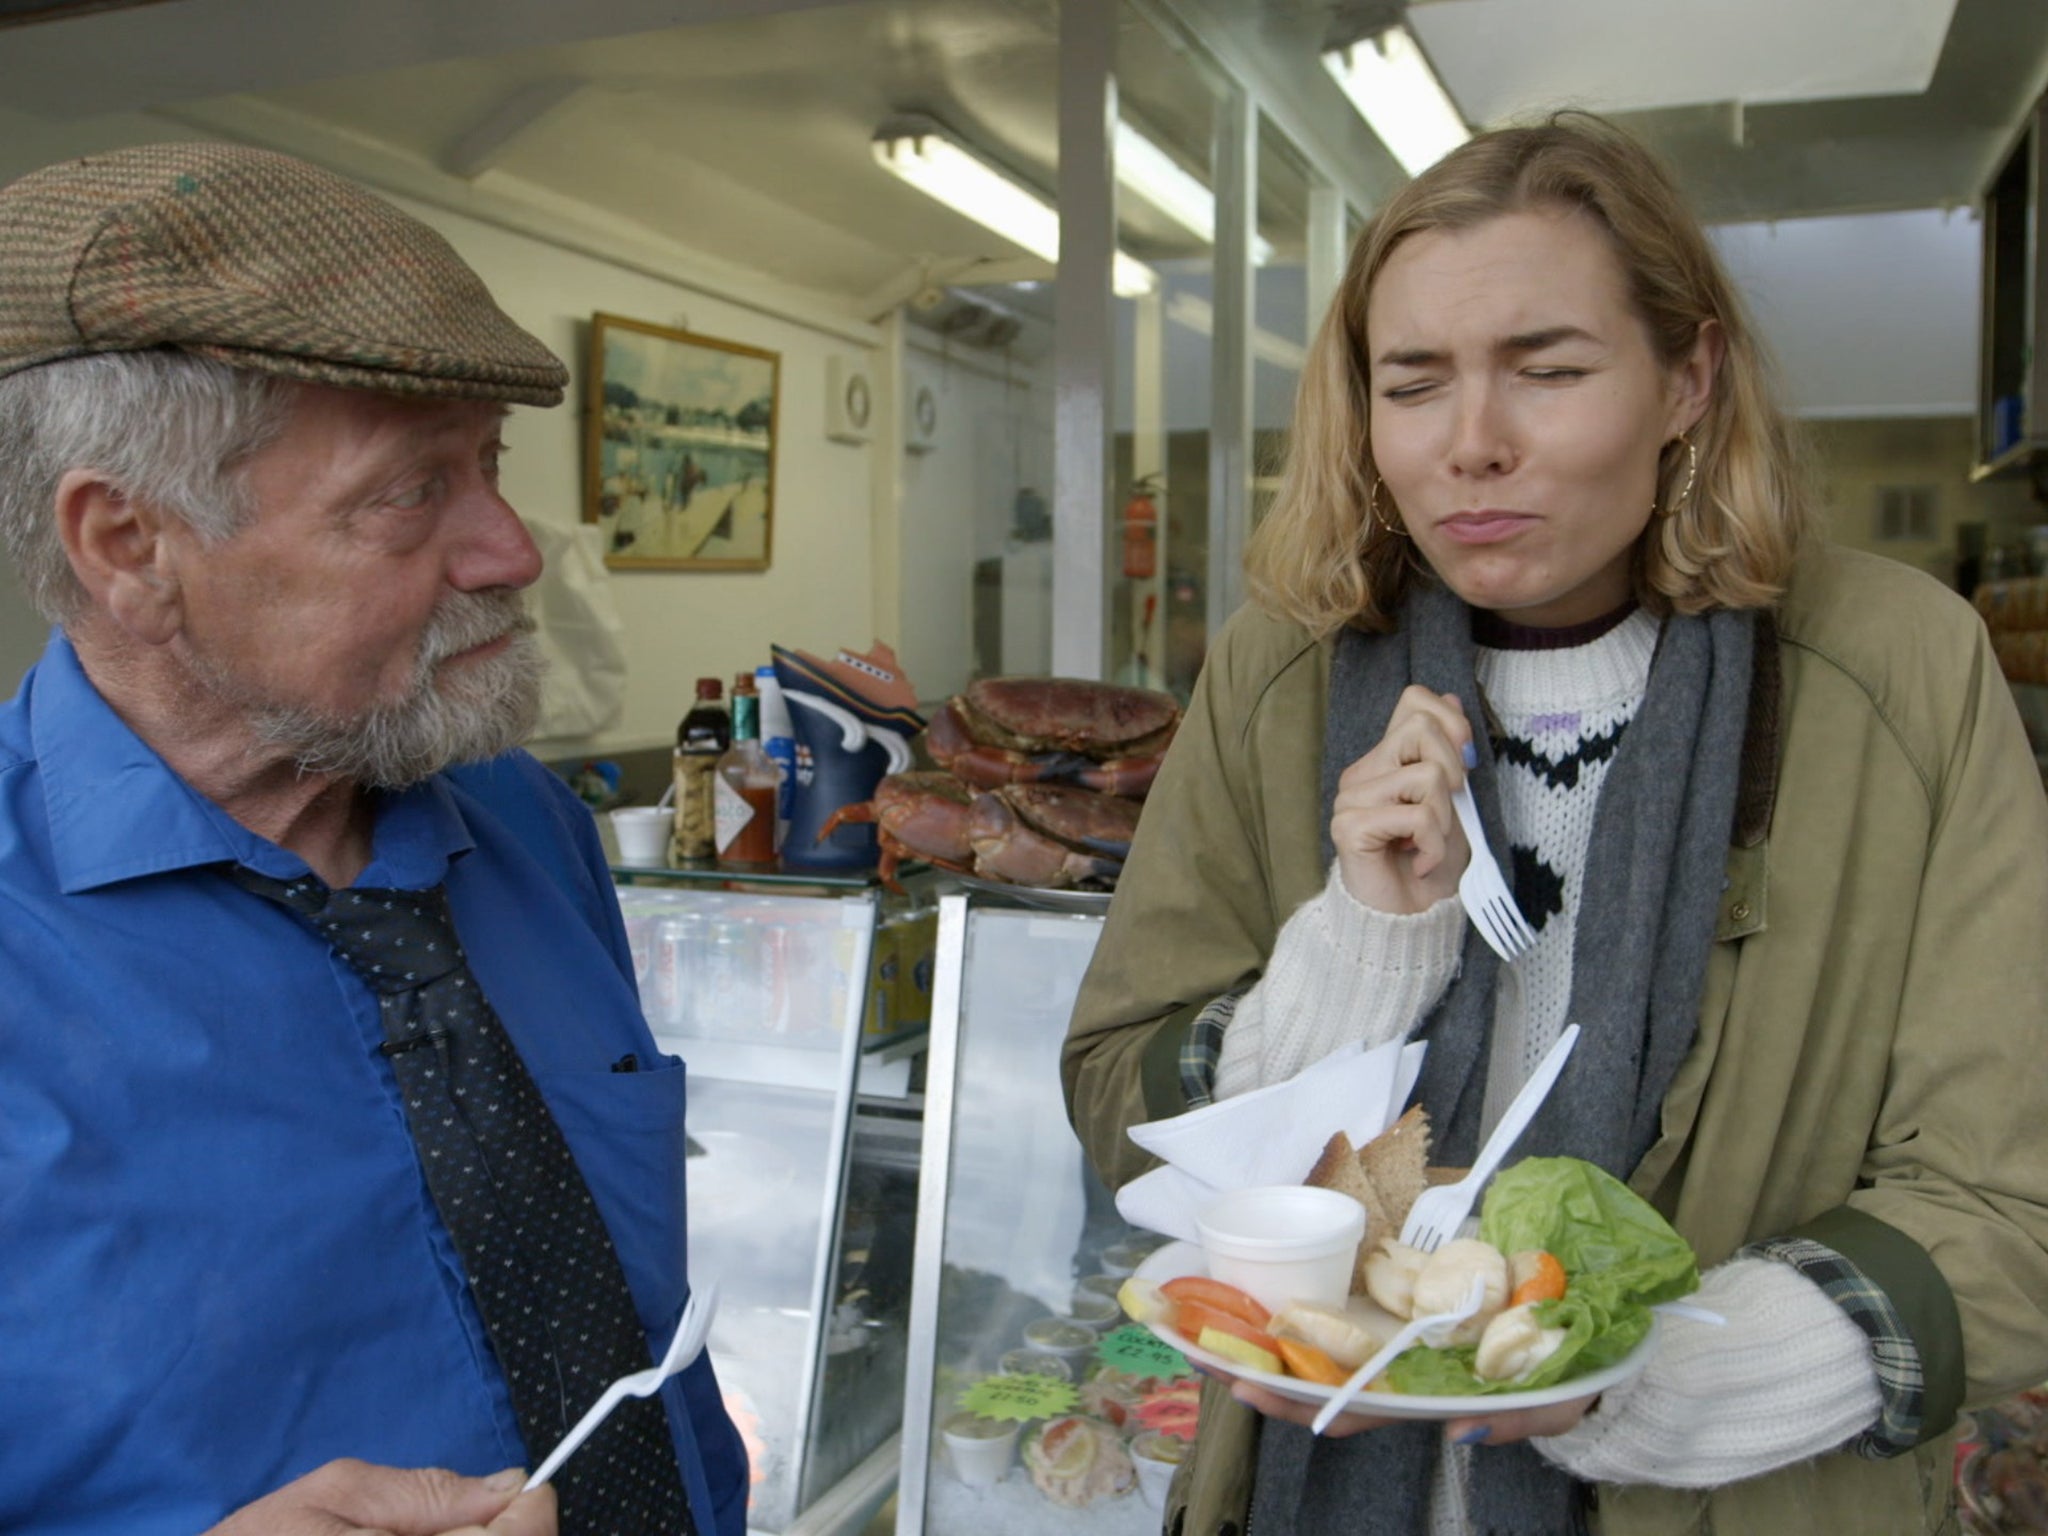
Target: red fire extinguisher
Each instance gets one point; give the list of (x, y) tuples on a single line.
[(1141, 530)]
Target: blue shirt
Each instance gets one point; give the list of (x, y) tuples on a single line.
[(219, 1263)]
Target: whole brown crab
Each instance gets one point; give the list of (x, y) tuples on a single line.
[(1022, 730), (1050, 835), (1054, 835), (919, 815)]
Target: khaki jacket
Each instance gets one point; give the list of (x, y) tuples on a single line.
[(1871, 1065)]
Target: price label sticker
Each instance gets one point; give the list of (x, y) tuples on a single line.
[(1140, 1352), (1019, 1397)]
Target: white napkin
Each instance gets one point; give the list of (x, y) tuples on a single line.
[(1271, 1135)]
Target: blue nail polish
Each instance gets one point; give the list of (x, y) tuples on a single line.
[(1471, 755), (1476, 1435)]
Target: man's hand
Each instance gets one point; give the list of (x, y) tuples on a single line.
[(354, 1498)]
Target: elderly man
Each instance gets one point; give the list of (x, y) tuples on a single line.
[(334, 1149)]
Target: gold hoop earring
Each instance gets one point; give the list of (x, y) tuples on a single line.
[(1692, 474), (1372, 504)]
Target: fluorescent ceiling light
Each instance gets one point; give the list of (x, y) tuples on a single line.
[(1399, 95), (1158, 178), (941, 169), (1513, 59)]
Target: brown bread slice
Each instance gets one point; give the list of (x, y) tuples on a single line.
[(1385, 1176), (1338, 1168), (1395, 1162)]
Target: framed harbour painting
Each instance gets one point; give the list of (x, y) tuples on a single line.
[(679, 455)]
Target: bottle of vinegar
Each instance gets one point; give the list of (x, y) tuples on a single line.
[(746, 785), (701, 740)]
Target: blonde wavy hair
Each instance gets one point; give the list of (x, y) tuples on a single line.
[(1321, 558)]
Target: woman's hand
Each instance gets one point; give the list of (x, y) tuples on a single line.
[(1480, 1429), (1399, 846)]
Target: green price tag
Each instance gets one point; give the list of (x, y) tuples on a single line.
[(1140, 1352), (1019, 1397)]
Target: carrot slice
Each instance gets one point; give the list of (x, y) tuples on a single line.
[(1310, 1363), (1218, 1296), (1545, 1281)]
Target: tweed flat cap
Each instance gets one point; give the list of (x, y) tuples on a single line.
[(258, 260)]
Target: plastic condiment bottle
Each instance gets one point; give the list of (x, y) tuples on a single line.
[(701, 740), (778, 735), (745, 787)]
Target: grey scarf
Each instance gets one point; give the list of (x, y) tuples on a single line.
[(1654, 873)]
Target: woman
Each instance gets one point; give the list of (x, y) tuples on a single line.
[(1768, 806)]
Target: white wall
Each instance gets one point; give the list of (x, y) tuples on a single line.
[(1872, 315), (680, 625), (995, 433)]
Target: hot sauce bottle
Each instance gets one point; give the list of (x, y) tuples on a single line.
[(746, 787)]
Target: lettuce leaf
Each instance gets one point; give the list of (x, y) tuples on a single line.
[(1620, 1259)]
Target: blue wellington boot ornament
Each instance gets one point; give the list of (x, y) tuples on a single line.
[(853, 718)]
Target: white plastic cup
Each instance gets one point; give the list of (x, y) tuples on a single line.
[(1067, 1337), (1157, 1457), (980, 1449), (1034, 1362), (1099, 1312), (1121, 1259), (1284, 1242), (642, 831)]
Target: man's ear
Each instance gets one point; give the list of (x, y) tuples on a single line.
[(119, 553)]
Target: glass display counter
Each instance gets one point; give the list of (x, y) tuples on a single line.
[(803, 1158), (1028, 1406)]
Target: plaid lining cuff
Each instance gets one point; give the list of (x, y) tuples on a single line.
[(1203, 1048), (1900, 1383)]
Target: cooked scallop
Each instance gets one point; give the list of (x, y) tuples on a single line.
[(1390, 1277), (1331, 1329), (1514, 1344), (1446, 1277)]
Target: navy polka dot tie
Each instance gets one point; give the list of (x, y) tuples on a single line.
[(540, 1262)]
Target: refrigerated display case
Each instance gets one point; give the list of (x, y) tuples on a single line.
[(1028, 1405), (803, 1165)]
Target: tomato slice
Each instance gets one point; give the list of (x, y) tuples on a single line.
[(1191, 1317), (1219, 1297)]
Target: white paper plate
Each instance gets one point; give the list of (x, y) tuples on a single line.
[(1187, 1259)]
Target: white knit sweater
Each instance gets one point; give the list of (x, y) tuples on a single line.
[(1790, 1375)]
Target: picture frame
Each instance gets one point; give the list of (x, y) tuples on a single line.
[(679, 448)]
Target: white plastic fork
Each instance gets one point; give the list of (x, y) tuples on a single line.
[(1429, 1330), (1488, 901), (1438, 1212), (691, 1330)]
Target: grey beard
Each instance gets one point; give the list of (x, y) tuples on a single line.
[(487, 708)]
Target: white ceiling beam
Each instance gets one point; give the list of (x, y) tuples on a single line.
[(525, 207), (936, 273), (157, 55), (521, 114)]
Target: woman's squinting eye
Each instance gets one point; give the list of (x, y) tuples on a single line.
[(1555, 375)]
